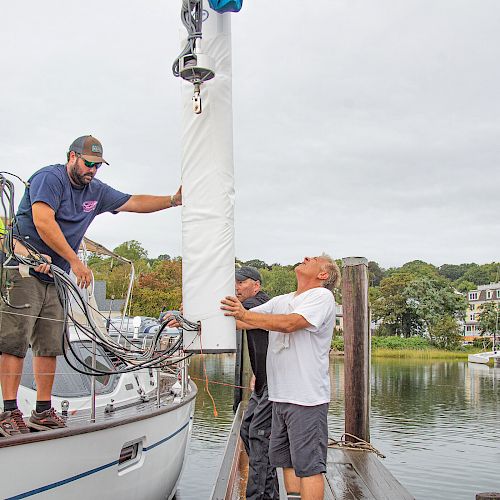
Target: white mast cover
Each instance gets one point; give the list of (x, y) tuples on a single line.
[(208, 196)]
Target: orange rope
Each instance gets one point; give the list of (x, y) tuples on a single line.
[(221, 383), (206, 377)]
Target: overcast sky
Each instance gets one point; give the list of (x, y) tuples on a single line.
[(361, 127)]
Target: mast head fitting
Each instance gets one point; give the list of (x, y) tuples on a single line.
[(196, 68)]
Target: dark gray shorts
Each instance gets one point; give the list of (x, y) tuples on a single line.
[(21, 327), (299, 438)]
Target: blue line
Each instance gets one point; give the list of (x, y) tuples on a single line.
[(64, 481), (91, 471), (147, 448)]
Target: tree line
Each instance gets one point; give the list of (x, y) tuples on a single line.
[(421, 299), (416, 299)]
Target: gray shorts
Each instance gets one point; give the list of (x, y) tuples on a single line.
[(299, 438), (21, 327)]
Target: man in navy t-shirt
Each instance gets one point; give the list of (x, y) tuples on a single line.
[(58, 206)]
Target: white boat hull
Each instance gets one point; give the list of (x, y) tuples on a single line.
[(484, 357), (85, 465)]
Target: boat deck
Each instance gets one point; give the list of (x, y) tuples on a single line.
[(81, 423)]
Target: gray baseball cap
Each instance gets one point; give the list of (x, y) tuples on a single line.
[(247, 272), (89, 147)]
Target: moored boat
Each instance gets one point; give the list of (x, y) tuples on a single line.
[(484, 357)]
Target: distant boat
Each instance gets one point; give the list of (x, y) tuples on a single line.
[(484, 357)]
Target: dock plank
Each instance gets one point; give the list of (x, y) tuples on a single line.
[(357, 474), (225, 483), (346, 483)]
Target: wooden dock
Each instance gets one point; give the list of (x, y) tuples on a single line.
[(359, 474), (351, 474)]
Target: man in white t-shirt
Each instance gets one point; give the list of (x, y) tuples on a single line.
[(300, 328)]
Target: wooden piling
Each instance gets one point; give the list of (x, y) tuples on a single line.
[(488, 496), (356, 346)]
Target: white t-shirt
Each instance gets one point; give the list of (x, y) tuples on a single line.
[(298, 362)]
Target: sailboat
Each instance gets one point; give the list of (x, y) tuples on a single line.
[(126, 435)]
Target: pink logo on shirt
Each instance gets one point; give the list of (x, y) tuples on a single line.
[(88, 206)]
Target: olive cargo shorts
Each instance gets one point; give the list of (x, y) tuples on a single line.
[(41, 324)]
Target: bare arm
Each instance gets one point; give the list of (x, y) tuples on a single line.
[(44, 219), (285, 323), (240, 325), (147, 203)]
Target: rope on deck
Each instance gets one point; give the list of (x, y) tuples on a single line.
[(360, 444)]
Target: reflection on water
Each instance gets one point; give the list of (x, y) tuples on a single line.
[(437, 422)]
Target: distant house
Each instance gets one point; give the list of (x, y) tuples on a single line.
[(106, 305), (476, 298), (339, 317)]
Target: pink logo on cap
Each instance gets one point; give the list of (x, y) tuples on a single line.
[(89, 206)]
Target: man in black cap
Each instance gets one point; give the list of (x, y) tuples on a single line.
[(256, 425), (58, 206)]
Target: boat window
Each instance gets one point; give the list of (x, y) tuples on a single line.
[(68, 383), (102, 380), (128, 453), (130, 456)]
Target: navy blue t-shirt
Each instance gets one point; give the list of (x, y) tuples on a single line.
[(74, 207)]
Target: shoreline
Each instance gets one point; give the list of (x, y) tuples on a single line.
[(380, 352)]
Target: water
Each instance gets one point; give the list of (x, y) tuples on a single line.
[(438, 423)]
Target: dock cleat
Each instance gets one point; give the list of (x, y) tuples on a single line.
[(46, 420)]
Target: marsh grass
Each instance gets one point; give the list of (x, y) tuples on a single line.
[(381, 352), (411, 348)]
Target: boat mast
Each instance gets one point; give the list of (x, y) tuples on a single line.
[(207, 176)]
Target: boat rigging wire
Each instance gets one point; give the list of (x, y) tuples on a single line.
[(191, 64), (191, 17)]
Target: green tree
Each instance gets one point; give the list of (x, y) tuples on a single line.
[(477, 274), (278, 280), (160, 287), (163, 256), (434, 298), (489, 318), (420, 268), (389, 305), (131, 250), (445, 332), (463, 285), (454, 271), (115, 274), (407, 304), (375, 273), (259, 264)]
